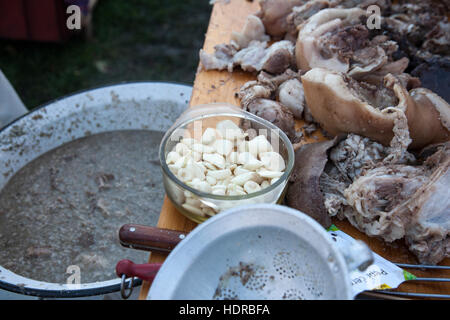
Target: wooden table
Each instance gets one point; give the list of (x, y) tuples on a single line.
[(221, 86)]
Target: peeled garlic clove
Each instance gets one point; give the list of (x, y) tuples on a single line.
[(274, 180), (197, 156), (235, 190), (245, 157), (219, 190), (202, 186), (226, 124), (220, 174), (182, 149), (202, 148), (196, 170), (259, 145), (209, 136), (257, 178), (240, 170), (236, 193), (209, 166), (242, 146), (229, 130), (251, 186), (181, 162), (173, 168), (193, 182), (201, 166), (270, 174), (233, 157), (243, 178), (226, 181), (211, 180), (265, 184), (208, 211), (185, 175), (273, 161), (253, 164), (193, 202), (192, 209), (215, 159), (223, 147), (231, 166), (189, 142), (172, 157)]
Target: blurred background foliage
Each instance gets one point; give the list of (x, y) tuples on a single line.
[(132, 40)]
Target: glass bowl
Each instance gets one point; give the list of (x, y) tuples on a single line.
[(192, 124)]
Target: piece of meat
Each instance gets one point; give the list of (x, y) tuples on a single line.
[(252, 30), (428, 234), (255, 57), (250, 58), (286, 88), (356, 153), (275, 113), (339, 40), (434, 74), (351, 179), (377, 199), (258, 97), (273, 14), (309, 128), (253, 90), (249, 50), (340, 104), (290, 94), (364, 4), (411, 202), (279, 57), (347, 160), (275, 80), (438, 39), (222, 58), (302, 13), (421, 30), (304, 192)]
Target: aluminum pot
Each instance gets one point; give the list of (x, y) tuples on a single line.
[(127, 106)]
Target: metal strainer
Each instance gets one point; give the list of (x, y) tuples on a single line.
[(259, 252)]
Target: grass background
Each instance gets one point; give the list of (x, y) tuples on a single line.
[(132, 40)]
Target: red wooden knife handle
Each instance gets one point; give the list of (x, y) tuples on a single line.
[(146, 271)]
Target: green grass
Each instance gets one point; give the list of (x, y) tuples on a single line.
[(133, 40)]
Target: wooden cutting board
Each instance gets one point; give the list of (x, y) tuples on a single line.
[(221, 86)]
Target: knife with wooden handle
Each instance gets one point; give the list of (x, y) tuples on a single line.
[(148, 238)]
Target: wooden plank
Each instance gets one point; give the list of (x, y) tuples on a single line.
[(221, 86), (209, 86)]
